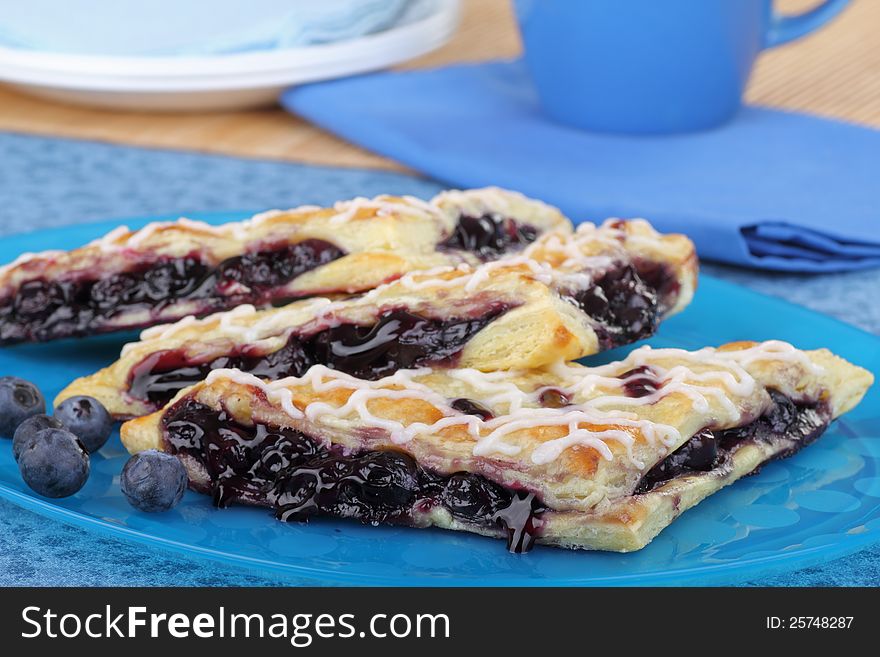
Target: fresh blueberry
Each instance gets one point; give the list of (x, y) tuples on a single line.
[(54, 463), (19, 399), (27, 431), (87, 418), (153, 481)]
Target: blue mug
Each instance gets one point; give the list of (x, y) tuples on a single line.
[(651, 66)]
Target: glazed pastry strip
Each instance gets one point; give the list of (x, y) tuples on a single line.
[(168, 270), (563, 297), (593, 458)]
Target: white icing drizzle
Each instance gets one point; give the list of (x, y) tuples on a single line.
[(422, 279), (162, 331), (495, 387), (28, 257), (382, 206), (138, 237), (577, 269), (493, 199), (552, 449), (107, 243), (122, 237), (521, 407), (486, 196), (773, 350), (540, 271), (237, 324)]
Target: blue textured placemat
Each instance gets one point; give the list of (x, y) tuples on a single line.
[(52, 182)]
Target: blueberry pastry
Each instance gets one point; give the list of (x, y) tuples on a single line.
[(167, 271), (599, 458), (565, 296)]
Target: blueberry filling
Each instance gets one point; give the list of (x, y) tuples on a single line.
[(640, 382), (798, 424), (45, 310), (398, 340), (657, 276), (490, 235), (623, 306), (554, 398), (262, 271), (470, 407), (298, 478)]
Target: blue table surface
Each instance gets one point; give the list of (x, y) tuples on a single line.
[(48, 182)]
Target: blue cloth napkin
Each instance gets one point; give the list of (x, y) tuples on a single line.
[(193, 27), (772, 189)]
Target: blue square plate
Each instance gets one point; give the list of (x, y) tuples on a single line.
[(820, 504)]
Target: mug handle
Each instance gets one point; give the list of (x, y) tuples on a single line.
[(783, 29)]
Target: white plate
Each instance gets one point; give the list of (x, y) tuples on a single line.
[(219, 82)]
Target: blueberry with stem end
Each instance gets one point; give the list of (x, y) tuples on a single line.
[(27, 431), (54, 463), (19, 400), (153, 481), (87, 418)]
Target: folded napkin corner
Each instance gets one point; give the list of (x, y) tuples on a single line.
[(479, 124)]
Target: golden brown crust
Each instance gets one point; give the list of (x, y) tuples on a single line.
[(399, 231), (540, 328), (381, 239), (586, 477), (642, 244)]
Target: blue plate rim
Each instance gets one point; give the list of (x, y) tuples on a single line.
[(715, 574)]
